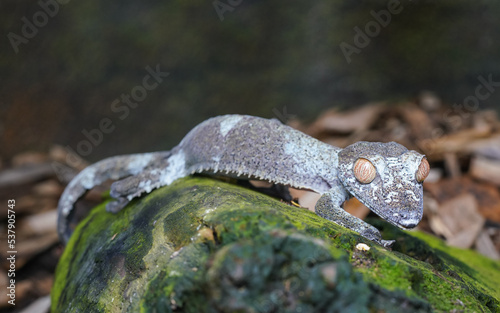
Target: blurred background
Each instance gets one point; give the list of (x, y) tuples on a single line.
[(63, 64), (84, 80)]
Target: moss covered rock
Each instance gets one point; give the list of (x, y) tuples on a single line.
[(201, 245)]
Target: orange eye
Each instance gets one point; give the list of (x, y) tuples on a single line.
[(364, 171), (423, 170)]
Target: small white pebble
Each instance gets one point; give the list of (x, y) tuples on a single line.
[(175, 253), (362, 247)]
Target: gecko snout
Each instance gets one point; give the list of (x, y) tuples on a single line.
[(411, 223)]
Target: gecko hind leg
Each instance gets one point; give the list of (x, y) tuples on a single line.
[(124, 190), (161, 174)]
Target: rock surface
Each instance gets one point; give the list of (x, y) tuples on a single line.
[(202, 245)]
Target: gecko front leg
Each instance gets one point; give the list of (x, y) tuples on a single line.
[(329, 206)]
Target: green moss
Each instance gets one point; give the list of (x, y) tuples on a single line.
[(201, 245), (446, 275), (482, 268)]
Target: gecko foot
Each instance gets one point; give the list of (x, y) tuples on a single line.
[(374, 235), (117, 205), (125, 187), (387, 243)]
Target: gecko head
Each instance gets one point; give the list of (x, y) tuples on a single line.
[(387, 178)]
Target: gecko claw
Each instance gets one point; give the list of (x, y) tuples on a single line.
[(116, 206), (387, 243), (374, 235)]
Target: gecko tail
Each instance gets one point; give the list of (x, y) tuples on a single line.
[(113, 168)]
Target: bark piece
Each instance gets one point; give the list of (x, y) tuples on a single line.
[(25, 174), (41, 305), (39, 224), (487, 195), (48, 188), (452, 164), (486, 169), (485, 246), (356, 120), (420, 124), (460, 142), (461, 217), (29, 158)]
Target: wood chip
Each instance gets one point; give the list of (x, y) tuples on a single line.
[(459, 142), (29, 158), (485, 246), (48, 188), (39, 224), (41, 305), (64, 173), (435, 174), (68, 157), (452, 165), (488, 147), (420, 124), (25, 174), (461, 217), (429, 101), (486, 169), (487, 195), (355, 120), (439, 227), (486, 118), (4, 283)]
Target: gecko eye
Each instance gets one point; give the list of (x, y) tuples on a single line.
[(364, 171), (423, 170)]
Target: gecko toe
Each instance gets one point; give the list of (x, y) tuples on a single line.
[(116, 206), (387, 243), (123, 187)]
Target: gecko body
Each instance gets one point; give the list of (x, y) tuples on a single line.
[(386, 177)]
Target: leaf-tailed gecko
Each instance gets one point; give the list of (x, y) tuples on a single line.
[(386, 177)]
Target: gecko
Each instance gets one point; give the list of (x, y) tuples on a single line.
[(386, 177)]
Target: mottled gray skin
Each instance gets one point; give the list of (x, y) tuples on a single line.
[(255, 148)]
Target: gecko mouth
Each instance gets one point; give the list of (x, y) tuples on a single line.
[(405, 224), (409, 224), (399, 220)]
